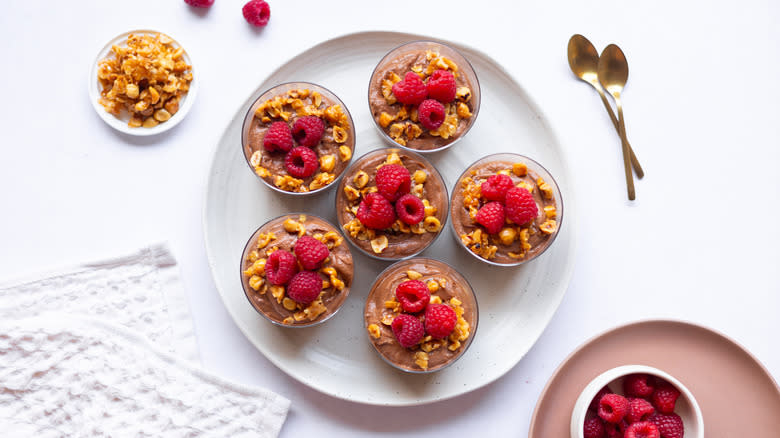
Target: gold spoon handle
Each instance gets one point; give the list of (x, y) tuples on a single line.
[(626, 163), (634, 161)]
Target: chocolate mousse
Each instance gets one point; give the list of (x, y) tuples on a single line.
[(514, 243), (288, 103), (446, 287), (274, 300), (399, 240), (401, 122)]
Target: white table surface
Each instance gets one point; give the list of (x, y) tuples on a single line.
[(702, 104)]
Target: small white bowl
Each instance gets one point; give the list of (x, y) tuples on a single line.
[(687, 407), (120, 123)]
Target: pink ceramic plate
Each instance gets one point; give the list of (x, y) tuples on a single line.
[(737, 395)]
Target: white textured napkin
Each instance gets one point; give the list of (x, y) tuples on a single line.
[(108, 349)]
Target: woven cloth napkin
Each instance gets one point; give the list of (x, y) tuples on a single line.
[(108, 349)]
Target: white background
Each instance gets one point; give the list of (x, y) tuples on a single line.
[(702, 105)]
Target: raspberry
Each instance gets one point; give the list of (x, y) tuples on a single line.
[(639, 409), (664, 397), (200, 3), (432, 114), (301, 162), (520, 205), (669, 425), (308, 130), (594, 404), (310, 252), (496, 186), (305, 287), (278, 138), (638, 385), (441, 86), (410, 209), (257, 12), (413, 295), (393, 181), (642, 429), (491, 216), (613, 407), (440, 320), (594, 428), (376, 212), (280, 267), (408, 330), (411, 90)]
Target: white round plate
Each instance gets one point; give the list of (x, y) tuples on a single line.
[(120, 123), (336, 358)]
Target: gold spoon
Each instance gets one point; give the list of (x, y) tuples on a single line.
[(584, 61), (613, 74)]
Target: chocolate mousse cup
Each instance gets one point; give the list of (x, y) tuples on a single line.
[(447, 286), (398, 123), (400, 241), (287, 102), (271, 301), (516, 244)]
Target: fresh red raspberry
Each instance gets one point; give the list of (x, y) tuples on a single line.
[(496, 186), (413, 295), (411, 90), (280, 267), (376, 212), (639, 409), (441, 86), (431, 114), (613, 407), (200, 3), (491, 216), (594, 404), (301, 162), (520, 205), (642, 429), (638, 385), (310, 252), (664, 397), (594, 428), (408, 330), (410, 209), (393, 181), (278, 137), (257, 12), (305, 287), (669, 425), (307, 130), (440, 320)]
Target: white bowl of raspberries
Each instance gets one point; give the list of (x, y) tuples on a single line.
[(636, 401)]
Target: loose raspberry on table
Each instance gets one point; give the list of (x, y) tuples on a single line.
[(199, 3), (305, 287), (613, 407), (642, 429), (280, 267), (278, 137), (638, 385), (669, 425), (639, 409), (664, 397), (431, 114), (411, 90), (307, 130), (440, 320), (594, 428), (496, 186), (491, 216), (441, 86), (594, 404), (408, 330), (413, 295), (310, 252), (257, 12), (521, 207), (301, 162), (376, 212), (410, 209), (393, 181)]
